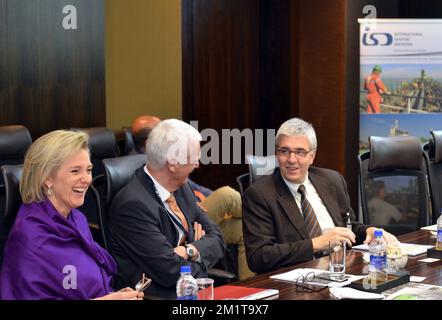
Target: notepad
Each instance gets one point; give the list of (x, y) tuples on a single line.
[(243, 293), (408, 248)]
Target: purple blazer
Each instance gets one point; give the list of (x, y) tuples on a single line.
[(48, 256)]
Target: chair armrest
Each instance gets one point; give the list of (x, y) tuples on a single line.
[(221, 274)]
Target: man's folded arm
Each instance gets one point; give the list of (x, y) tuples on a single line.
[(140, 238), (211, 246)]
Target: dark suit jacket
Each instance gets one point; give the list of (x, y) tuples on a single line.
[(274, 231), (143, 236)]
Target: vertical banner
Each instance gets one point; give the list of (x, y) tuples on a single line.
[(400, 78), (400, 94)]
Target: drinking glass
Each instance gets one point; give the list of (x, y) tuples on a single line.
[(337, 252)]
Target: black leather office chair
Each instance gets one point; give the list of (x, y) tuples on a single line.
[(243, 182), (102, 145), (11, 175), (260, 166), (93, 210), (433, 158), (394, 185), (119, 171), (129, 143), (14, 142)]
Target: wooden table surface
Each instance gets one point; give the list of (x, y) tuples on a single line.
[(354, 265)]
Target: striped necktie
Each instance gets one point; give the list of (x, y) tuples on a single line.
[(173, 205), (310, 220)]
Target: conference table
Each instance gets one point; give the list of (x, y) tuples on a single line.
[(354, 265)]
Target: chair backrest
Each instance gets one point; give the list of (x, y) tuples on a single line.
[(393, 184), (93, 211), (260, 166), (118, 172), (11, 175), (243, 182), (434, 163), (14, 142), (129, 143), (102, 145)]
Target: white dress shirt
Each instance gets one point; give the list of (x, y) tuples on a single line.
[(164, 195), (324, 218)]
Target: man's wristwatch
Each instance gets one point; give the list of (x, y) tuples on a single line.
[(190, 251)]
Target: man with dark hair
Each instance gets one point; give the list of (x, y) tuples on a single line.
[(291, 215)]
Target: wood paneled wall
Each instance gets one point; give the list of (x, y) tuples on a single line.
[(304, 62), (52, 77), (255, 64), (321, 81), (221, 53)]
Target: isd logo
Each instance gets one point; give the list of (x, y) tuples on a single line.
[(376, 38)]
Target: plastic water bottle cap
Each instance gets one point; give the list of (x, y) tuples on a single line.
[(378, 233), (185, 269)]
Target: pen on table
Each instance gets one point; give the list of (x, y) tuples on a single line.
[(348, 220)]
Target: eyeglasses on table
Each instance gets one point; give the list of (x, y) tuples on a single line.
[(306, 283)]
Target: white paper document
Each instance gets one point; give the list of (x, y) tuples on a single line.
[(293, 275), (419, 292), (408, 248), (350, 293), (429, 260), (262, 295), (417, 279), (430, 228)]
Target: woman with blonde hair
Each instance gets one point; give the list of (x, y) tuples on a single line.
[(50, 253)]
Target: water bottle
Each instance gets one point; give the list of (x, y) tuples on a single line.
[(439, 233), (186, 287), (378, 254)]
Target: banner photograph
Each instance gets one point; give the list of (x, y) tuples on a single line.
[(400, 78)]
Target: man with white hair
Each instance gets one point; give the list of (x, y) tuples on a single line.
[(290, 216), (155, 224), (223, 205)]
